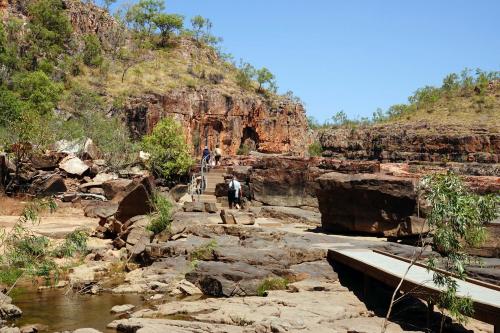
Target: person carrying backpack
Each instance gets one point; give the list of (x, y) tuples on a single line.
[(234, 193)]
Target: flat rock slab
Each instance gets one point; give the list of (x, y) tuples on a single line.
[(292, 214), (122, 308), (54, 226)]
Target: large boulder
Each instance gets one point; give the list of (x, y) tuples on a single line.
[(73, 165), (368, 203), (48, 185), (222, 279), (280, 181), (134, 200), (113, 187), (48, 161)]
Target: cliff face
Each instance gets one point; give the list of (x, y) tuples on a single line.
[(87, 18), (414, 142), (211, 117)]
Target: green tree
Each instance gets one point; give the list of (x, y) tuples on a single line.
[(245, 75), (38, 91), (49, 27), (198, 23), (167, 24), (340, 118), (264, 76), (170, 156), (141, 15), (456, 220), (92, 51), (10, 106)]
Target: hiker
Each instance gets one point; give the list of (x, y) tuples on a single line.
[(234, 193), (218, 154), (206, 155)]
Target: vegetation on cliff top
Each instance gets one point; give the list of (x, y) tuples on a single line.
[(466, 98)]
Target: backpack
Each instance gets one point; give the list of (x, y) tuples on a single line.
[(232, 191)]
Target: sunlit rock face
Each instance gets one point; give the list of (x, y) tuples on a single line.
[(211, 117), (419, 141)]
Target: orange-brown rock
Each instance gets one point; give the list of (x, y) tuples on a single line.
[(414, 142), (211, 117)]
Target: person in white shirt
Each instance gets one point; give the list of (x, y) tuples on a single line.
[(218, 154), (234, 193)]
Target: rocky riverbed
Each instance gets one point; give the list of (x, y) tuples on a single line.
[(205, 276)]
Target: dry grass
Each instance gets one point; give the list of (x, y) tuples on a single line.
[(164, 70)]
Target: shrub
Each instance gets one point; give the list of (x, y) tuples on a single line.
[(50, 28), (243, 150), (92, 52), (161, 220), (315, 149), (245, 75), (74, 242), (10, 106), (39, 92), (170, 156), (271, 284)]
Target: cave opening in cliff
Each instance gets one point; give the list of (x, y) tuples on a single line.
[(250, 139)]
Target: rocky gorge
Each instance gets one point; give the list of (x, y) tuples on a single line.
[(169, 255)]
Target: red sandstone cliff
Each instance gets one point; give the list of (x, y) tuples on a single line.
[(212, 117)]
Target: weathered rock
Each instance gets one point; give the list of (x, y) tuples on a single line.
[(292, 215), (102, 209), (86, 330), (195, 206), (227, 218), (233, 120), (115, 186), (284, 181), (244, 218), (135, 200), (48, 161), (415, 141), (48, 185), (211, 207), (73, 165), (228, 279), (367, 203), (9, 311), (188, 288), (104, 177), (178, 191), (122, 308), (90, 150)]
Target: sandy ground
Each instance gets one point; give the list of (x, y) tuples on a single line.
[(64, 220)]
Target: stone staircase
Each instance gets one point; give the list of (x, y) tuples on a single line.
[(213, 177)]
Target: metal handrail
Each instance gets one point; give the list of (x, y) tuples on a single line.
[(193, 186)]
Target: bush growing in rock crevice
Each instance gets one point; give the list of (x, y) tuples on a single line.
[(170, 156)]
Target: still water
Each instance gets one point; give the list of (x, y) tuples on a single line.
[(62, 312)]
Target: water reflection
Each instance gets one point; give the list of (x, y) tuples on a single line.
[(62, 312)]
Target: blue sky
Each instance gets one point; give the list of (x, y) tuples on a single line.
[(354, 55)]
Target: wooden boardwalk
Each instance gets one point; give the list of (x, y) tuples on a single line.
[(389, 270)]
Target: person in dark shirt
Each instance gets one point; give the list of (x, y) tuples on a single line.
[(206, 155)]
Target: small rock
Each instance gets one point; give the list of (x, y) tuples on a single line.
[(188, 288), (211, 207), (96, 190), (122, 308), (86, 330), (227, 218), (9, 311), (73, 165)]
